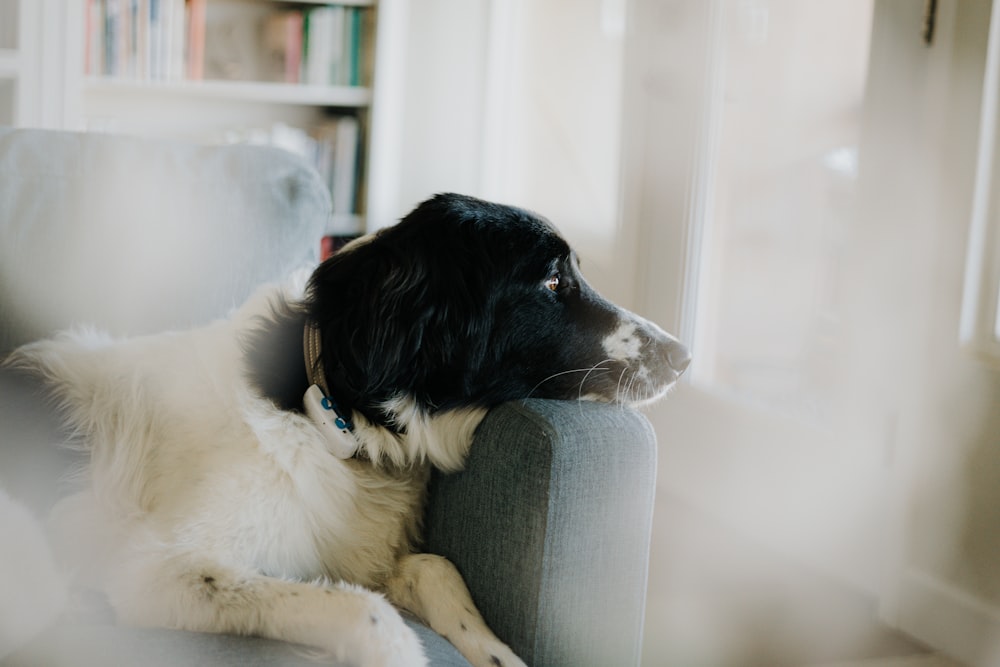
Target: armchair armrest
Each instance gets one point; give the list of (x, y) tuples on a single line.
[(549, 524)]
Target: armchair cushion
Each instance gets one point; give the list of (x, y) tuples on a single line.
[(88, 644)]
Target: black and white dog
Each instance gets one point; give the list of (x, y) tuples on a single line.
[(266, 474)]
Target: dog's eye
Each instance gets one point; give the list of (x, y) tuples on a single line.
[(553, 282)]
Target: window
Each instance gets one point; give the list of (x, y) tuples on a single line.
[(783, 191)]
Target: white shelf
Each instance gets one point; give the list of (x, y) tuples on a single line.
[(8, 63), (239, 91), (344, 3)]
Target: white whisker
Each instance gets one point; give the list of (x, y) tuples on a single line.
[(630, 396), (619, 396), (587, 370), (596, 366)]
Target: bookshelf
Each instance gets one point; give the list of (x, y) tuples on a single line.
[(294, 74), (47, 81), (236, 91), (54, 74)]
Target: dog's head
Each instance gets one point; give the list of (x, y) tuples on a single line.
[(469, 303)]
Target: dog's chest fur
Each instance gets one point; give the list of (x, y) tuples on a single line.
[(278, 499)]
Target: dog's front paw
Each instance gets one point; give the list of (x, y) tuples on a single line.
[(384, 639), (489, 653), (359, 628)]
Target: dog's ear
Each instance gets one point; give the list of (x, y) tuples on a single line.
[(390, 315), (347, 297)]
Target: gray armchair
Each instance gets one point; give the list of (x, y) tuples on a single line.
[(549, 523)]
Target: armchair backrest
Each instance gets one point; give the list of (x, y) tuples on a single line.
[(137, 236)]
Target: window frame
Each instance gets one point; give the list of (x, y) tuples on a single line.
[(979, 327)]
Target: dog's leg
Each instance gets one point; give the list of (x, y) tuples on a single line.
[(352, 624), (431, 587)]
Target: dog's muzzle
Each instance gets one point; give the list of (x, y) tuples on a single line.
[(652, 359)]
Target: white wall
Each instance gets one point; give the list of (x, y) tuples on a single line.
[(560, 152), (519, 101), (444, 88)]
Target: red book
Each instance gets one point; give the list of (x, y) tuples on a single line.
[(196, 39), (293, 47), (329, 245), (326, 248)]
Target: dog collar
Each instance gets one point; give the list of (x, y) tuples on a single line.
[(337, 429)]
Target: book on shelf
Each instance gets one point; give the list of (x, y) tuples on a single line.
[(137, 39), (164, 40), (337, 157), (346, 165), (320, 25), (197, 16), (333, 45), (282, 42)]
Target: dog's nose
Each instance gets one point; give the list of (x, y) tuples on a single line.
[(679, 357)]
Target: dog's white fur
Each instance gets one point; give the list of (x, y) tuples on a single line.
[(208, 508)]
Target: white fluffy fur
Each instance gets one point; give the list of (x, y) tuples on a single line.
[(210, 509)]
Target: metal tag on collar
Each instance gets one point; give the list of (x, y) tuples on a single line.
[(335, 428)]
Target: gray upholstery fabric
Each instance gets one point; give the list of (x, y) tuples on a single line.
[(139, 236), (549, 523)]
